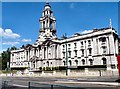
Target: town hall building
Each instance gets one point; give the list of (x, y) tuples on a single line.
[(93, 51)]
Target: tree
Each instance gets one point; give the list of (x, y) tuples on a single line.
[(6, 57)]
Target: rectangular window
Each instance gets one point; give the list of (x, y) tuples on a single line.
[(104, 50), (63, 54), (68, 45), (75, 44), (82, 43), (69, 54), (82, 52), (90, 51), (75, 53), (113, 66), (89, 42)]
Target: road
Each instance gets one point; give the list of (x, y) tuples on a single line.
[(89, 83)]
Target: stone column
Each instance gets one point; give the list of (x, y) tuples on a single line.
[(42, 53), (28, 55), (45, 23), (25, 54), (54, 51), (20, 57), (98, 47), (53, 24), (116, 45), (46, 53), (107, 43), (11, 58), (48, 22), (41, 24), (35, 64)]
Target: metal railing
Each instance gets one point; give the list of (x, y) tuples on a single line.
[(36, 85), (5, 84)]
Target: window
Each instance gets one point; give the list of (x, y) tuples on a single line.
[(68, 45), (47, 63), (91, 61), (89, 42), (75, 44), (83, 62), (69, 54), (76, 62), (64, 63), (82, 43), (63, 46), (104, 61), (103, 39), (90, 51), (113, 66), (75, 53), (70, 62), (82, 50), (63, 54), (104, 49)]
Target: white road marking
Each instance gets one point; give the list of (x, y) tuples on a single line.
[(19, 85), (102, 83)]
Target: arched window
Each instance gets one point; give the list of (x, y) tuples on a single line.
[(43, 24), (70, 62), (76, 62), (64, 63), (83, 62), (91, 61), (104, 61), (47, 63)]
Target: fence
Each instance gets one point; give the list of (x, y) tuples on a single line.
[(5, 84), (36, 85)]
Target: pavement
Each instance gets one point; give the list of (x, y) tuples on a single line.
[(83, 82)]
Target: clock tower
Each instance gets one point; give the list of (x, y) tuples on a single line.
[(48, 25)]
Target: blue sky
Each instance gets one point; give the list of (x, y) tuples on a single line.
[(20, 21)]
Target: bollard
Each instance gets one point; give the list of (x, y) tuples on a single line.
[(51, 86), (28, 85)]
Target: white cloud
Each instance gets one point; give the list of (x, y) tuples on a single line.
[(72, 5), (10, 43), (26, 40), (86, 31), (7, 33)]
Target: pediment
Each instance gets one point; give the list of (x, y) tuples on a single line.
[(48, 42), (34, 58)]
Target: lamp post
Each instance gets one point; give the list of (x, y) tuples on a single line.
[(66, 56)]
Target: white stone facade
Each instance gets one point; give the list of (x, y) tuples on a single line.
[(96, 49)]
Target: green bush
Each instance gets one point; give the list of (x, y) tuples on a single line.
[(40, 68), (48, 69), (43, 69)]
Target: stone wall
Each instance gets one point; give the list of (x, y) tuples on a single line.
[(78, 73)]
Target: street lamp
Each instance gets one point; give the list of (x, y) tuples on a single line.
[(66, 56)]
